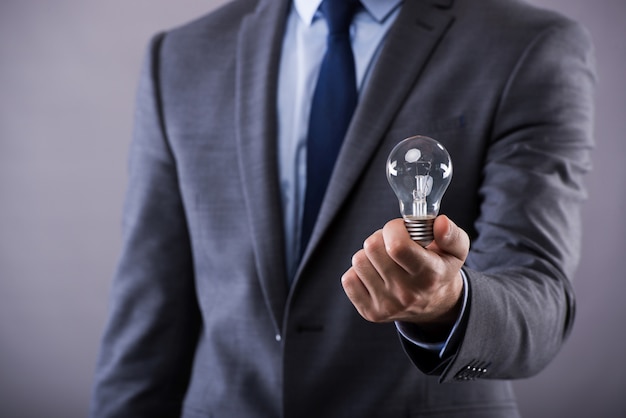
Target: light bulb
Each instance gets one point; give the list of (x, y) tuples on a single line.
[(419, 171)]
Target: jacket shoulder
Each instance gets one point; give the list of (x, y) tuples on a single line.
[(218, 28)]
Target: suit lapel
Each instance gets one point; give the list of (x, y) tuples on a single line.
[(257, 68), (410, 41)]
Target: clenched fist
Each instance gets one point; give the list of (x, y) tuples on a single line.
[(395, 279)]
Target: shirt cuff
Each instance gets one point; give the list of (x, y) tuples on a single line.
[(412, 333)]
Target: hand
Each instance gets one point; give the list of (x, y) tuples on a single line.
[(394, 279)]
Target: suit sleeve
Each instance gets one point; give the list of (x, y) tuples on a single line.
[(147, 348), (520, 266)]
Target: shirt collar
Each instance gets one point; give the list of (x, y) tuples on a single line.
[(378, 9)]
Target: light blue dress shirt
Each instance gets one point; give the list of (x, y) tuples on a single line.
[(303, 48)]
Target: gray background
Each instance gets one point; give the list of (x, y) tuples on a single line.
[(68, 72)]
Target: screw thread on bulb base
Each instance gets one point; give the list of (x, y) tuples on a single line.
[(420, 230)]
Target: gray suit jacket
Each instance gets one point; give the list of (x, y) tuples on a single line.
[(202, 321)]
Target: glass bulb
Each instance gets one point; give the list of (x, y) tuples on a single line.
[(419, 171)]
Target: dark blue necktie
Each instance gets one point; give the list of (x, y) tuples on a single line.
[(334, 100)]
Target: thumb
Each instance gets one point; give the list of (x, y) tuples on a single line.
[(450, 239)]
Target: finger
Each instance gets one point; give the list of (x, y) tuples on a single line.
[(355, 289), (405, 253), (375, 249), (451, 239), (367, 273)]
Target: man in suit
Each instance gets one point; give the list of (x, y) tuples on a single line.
[(216, 312)]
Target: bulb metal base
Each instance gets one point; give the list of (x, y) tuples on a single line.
[(420, 229)]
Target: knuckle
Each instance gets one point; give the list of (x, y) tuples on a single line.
[(347, 281), (396, 249), (359, 258), (373, 243)]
